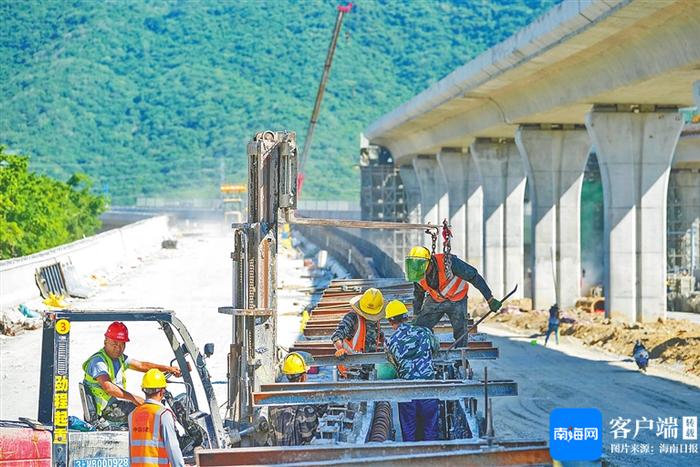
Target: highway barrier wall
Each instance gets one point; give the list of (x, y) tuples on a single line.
[(104, 251)]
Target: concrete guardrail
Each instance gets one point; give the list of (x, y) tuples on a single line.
[(102, 251)]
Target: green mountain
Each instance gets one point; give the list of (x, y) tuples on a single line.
[(159, 98)]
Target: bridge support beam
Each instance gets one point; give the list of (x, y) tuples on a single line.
[(635, 149), (434, 197), (503, 178), (555, 160)]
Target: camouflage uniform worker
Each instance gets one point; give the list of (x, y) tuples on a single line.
[(296, 424), (359, 331), (435, 292), (410, 349)]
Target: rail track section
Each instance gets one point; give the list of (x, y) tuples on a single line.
[(361, 422)]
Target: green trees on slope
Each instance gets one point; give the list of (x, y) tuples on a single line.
[(155, 98), (38, 212)]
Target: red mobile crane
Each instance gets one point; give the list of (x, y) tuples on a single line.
[(342, 10)]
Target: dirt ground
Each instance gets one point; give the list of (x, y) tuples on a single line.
[(675, 343)]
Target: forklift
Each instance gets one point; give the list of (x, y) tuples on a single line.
[(199, 426)]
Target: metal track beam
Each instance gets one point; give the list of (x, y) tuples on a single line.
[(349, 453), (359, 383), (385, 390), (374, 358)]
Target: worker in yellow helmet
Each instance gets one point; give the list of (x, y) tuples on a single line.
[(295, 424), (152, 435), (441, 285), (359, 331), (410, 349)]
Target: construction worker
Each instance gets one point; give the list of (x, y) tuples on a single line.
[(152, 434), (105, 375), (410, 349), (553, 324), (438, 290), (359, 331), (296, 424)]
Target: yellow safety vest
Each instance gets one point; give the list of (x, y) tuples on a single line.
[(100, 395)]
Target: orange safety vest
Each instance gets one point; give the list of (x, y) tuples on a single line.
[(454, 289), (357, 343), (146, 443)]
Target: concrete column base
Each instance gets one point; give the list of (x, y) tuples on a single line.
[(555, 161), (635, 152)]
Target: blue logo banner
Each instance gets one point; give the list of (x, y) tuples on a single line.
[(576, 434)]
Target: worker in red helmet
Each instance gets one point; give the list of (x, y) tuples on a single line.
[(105, 376)]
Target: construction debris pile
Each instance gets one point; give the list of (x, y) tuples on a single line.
[(674, 342)]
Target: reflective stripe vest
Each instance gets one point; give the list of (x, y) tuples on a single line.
[(146, 443), (357, 343), (100, 395), (454, 289)]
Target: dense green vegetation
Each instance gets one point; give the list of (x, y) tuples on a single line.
[(38, 212), (159, 98)]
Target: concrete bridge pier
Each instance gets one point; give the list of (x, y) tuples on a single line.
[(503, 178), (635, 147), (412, 192), (434, 197), (555, 158), (453, 168), (461, 176)]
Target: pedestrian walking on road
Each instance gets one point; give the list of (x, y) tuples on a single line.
[(553, 324), (410, 349)]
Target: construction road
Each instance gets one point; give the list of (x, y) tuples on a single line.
[(195, 279)]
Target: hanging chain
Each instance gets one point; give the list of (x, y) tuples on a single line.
[(433, 232), (447, 247)]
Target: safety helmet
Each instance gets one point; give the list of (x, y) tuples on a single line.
[(117, 331), (370, 304), (395, 308), (154, 379), (417, 263), (294, 364)]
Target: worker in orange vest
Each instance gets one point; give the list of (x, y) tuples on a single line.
[(441, 285), (359, 330), (152, 435)]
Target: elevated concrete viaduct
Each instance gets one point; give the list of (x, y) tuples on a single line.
[(606, 76)]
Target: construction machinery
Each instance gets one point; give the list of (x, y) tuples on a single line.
[(61, 445), (360, 414), (359, 410)]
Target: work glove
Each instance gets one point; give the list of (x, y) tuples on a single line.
[(339, 348), (494, 305)]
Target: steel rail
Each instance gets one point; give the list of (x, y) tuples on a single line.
[(359, 383), (291, 218), (382, 391), (373, 358), (272, 455)]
